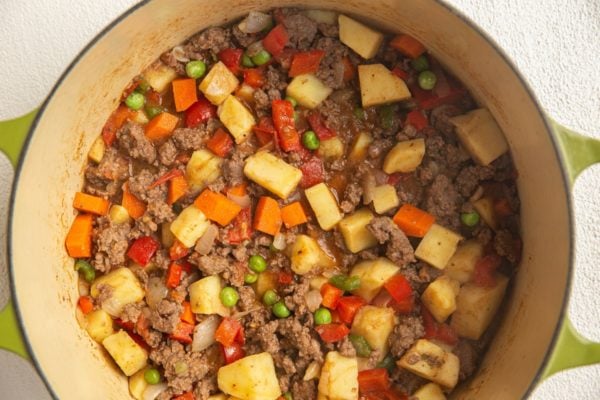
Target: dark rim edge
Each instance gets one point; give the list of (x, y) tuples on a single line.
[(443, 3)]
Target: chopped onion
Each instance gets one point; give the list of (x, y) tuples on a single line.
[(255, 22), (312, 371), (242, 201), (179, 54), (156, 290), (204, 333), (279, 241), (313, 300), (152, 391), (84, 287), (206, 241)]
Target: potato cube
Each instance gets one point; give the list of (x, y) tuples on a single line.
[(379, 86), (118, 214), (385, 198), (306, 256), (250, 378), (138, 384), (438, 246), (476, 306), (373, 274), (246, 93), (266, 280), (317, 282), (308, 90), (480, 135), (360, 147), (440, 297), (99, 325), (125, 289), (462, 263), (331, 149), (220, 396), (322, 16), (272, 173), (485, 207), (404, 156), (159, 76), (359, 37), (129, 356), (189, 226), (236, 118), (202, 168), (140, 117), (430, 391), (166, 236), (218, 84), (339, 377), (354, 230), (324, 205), (430, 361), (204, 296), (97, 150), (375, 324)]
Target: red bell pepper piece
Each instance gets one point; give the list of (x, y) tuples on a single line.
[(485, 269), (187, 315), (417, 119), (265, 131), (373, 380), (435, 330), (178, 250), (199, 112), (306, 62), (284, 278), (142, 250), (241, 227), (174, 275), (332, 333), (220, 143), (232, 353), (348, 306), (399, 288), (166, 177), (400, 73), (182, 332), (185, 396), (240, 337), (349, 69), (114, 123), (254, 77), (428, 99), (502, 207), (331, 295), (126, 325), (388, 394), (276, 40), (232, 59), (312, 172), (227, 331), (283, 119), (186, 266), (317, 125)]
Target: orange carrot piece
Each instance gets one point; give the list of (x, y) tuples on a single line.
[(187, 315), (293, 214), (408, 45), (185, 396), (85, 304), (134, 206), (184, 93), (79, 238), (217, 207), (267, 218), (177, 188), (92, 204), (174, 275), (238, 190), (349, 69), (220, 143), (413, 221), (161, 126)]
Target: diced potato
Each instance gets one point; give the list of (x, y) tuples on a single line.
[(438, 246), (272, 173), (204, 296), (480, 135), (266, 280), (485, 207), (476, 307), (322, 16), (375, 324), (129, 356), (189, 226), (137, 384), (385, 198), (373, 274), (202, 168), (313, 371), (308, 90), (360, 147), (339, 377), (126, 289), (236, 118), (379, 86), (220, 396), (331, 149), (99, 325), (430, 391), (440, 297), (359, 37), (219, 83), (166, 236), (324, 205), (430, 361), (246, 93), (462, 263), (404, 156), (140, 117), (118, 214), (159, 76), (354, 230), (250, 378), (306, 256), (317, 282), (97, 150)]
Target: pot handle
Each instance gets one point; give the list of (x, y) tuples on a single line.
[(12, 137), (578, 151)]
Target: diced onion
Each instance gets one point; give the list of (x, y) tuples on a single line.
[(255, 22), (313, 300), (279, 241), (84, 287), (179, 54), (204, 333), (206, 241), (152, 391), (156, 290), (312, 371), (242, 201)]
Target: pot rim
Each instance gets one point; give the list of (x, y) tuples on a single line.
[(450, 8)]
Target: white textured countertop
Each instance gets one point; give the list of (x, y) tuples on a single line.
[(554, 43)]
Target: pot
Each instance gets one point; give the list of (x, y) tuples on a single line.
[(535, 338)]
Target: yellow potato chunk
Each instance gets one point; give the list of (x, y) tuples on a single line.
[(218, 84), (202, 168), (322, 16), (440, 297), (375, 324), (306, 256), (204, 296), (125, 289), (354, 230), (236, 118), (339, 377), (430, 361), (189, 226), (462, 263), (159, 76), (308, 90), (359, 37), (129, 356), (138, 384), (118, 214), (404, 156), (379, 86), (360, 147), (430, 391), (438, 246), (324, 205), (99, 325), (250, 378), (385, 198), (373, 274), (331, 149), (97, 150), (272, 173), (485, 207)]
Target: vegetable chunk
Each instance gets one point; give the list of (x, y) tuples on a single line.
[(250, 378), (306, 255), (204, 296), (440, 297), (430, 391), (404, 156), (218, 84), (379, 86), (431, 362), (354, 229), (236, 118), (339, 377), (189, 226), (272, 173), (437, 246), (324, 205), (373, 274), (375, 324), (202, 168), (99, 325), (360, 38), (128, 355), (308, 90), (462, 263), (125, 289)]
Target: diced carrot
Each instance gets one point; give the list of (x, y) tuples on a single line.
[(115, 121), (79, 238), (238, 190), (184, 93), (161, 126), (177, 188), (217, 207), (220, 143), (166, 177), (268, 216), (417, 120), (254, 77), (182, 333), (408, 45), (178, 250), (185, 396), (187, 315), (227, 331), (293, 214), (85, 304), (92, 204), (413, 221), (331, 295), (134, 206), (173, 275), (349, 69), (373, 380)]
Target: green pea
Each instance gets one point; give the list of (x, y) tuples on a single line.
[(270, 297), (360, 345), (386, 115), (388, 363), (143, 87), (195, 69), (86, 270), (135, 100), (257, 263), (229, 296), (261, 58), (345, 282), (359, 113), (247, 61), (152, 376), (420, 63), (310, 140), (322, 316), (152, 111), (250, 278), (292, 100), (470, 219), (288, 396), (280, 310), (427, 80)]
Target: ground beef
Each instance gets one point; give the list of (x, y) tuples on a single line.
[(440, 118), (233, 169), (467, 355), (304, 390), (407, 381), (504, 244), (133, 141), (165, 316), (190, 138), (234, 275), (206, 387), (167, 152), (105, 292), (110, 244), (304, 340), (345, 347), (132, 311), (351, 198), (301, 30), (244, 39), (409, 329), (442, 200), (139, 184), (210, 264), (296, 300), (248, 300), (398, 248), (105, 179), (331, 68), (214, 39), (470, 177)]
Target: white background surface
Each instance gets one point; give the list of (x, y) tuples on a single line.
[(554, 43)]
